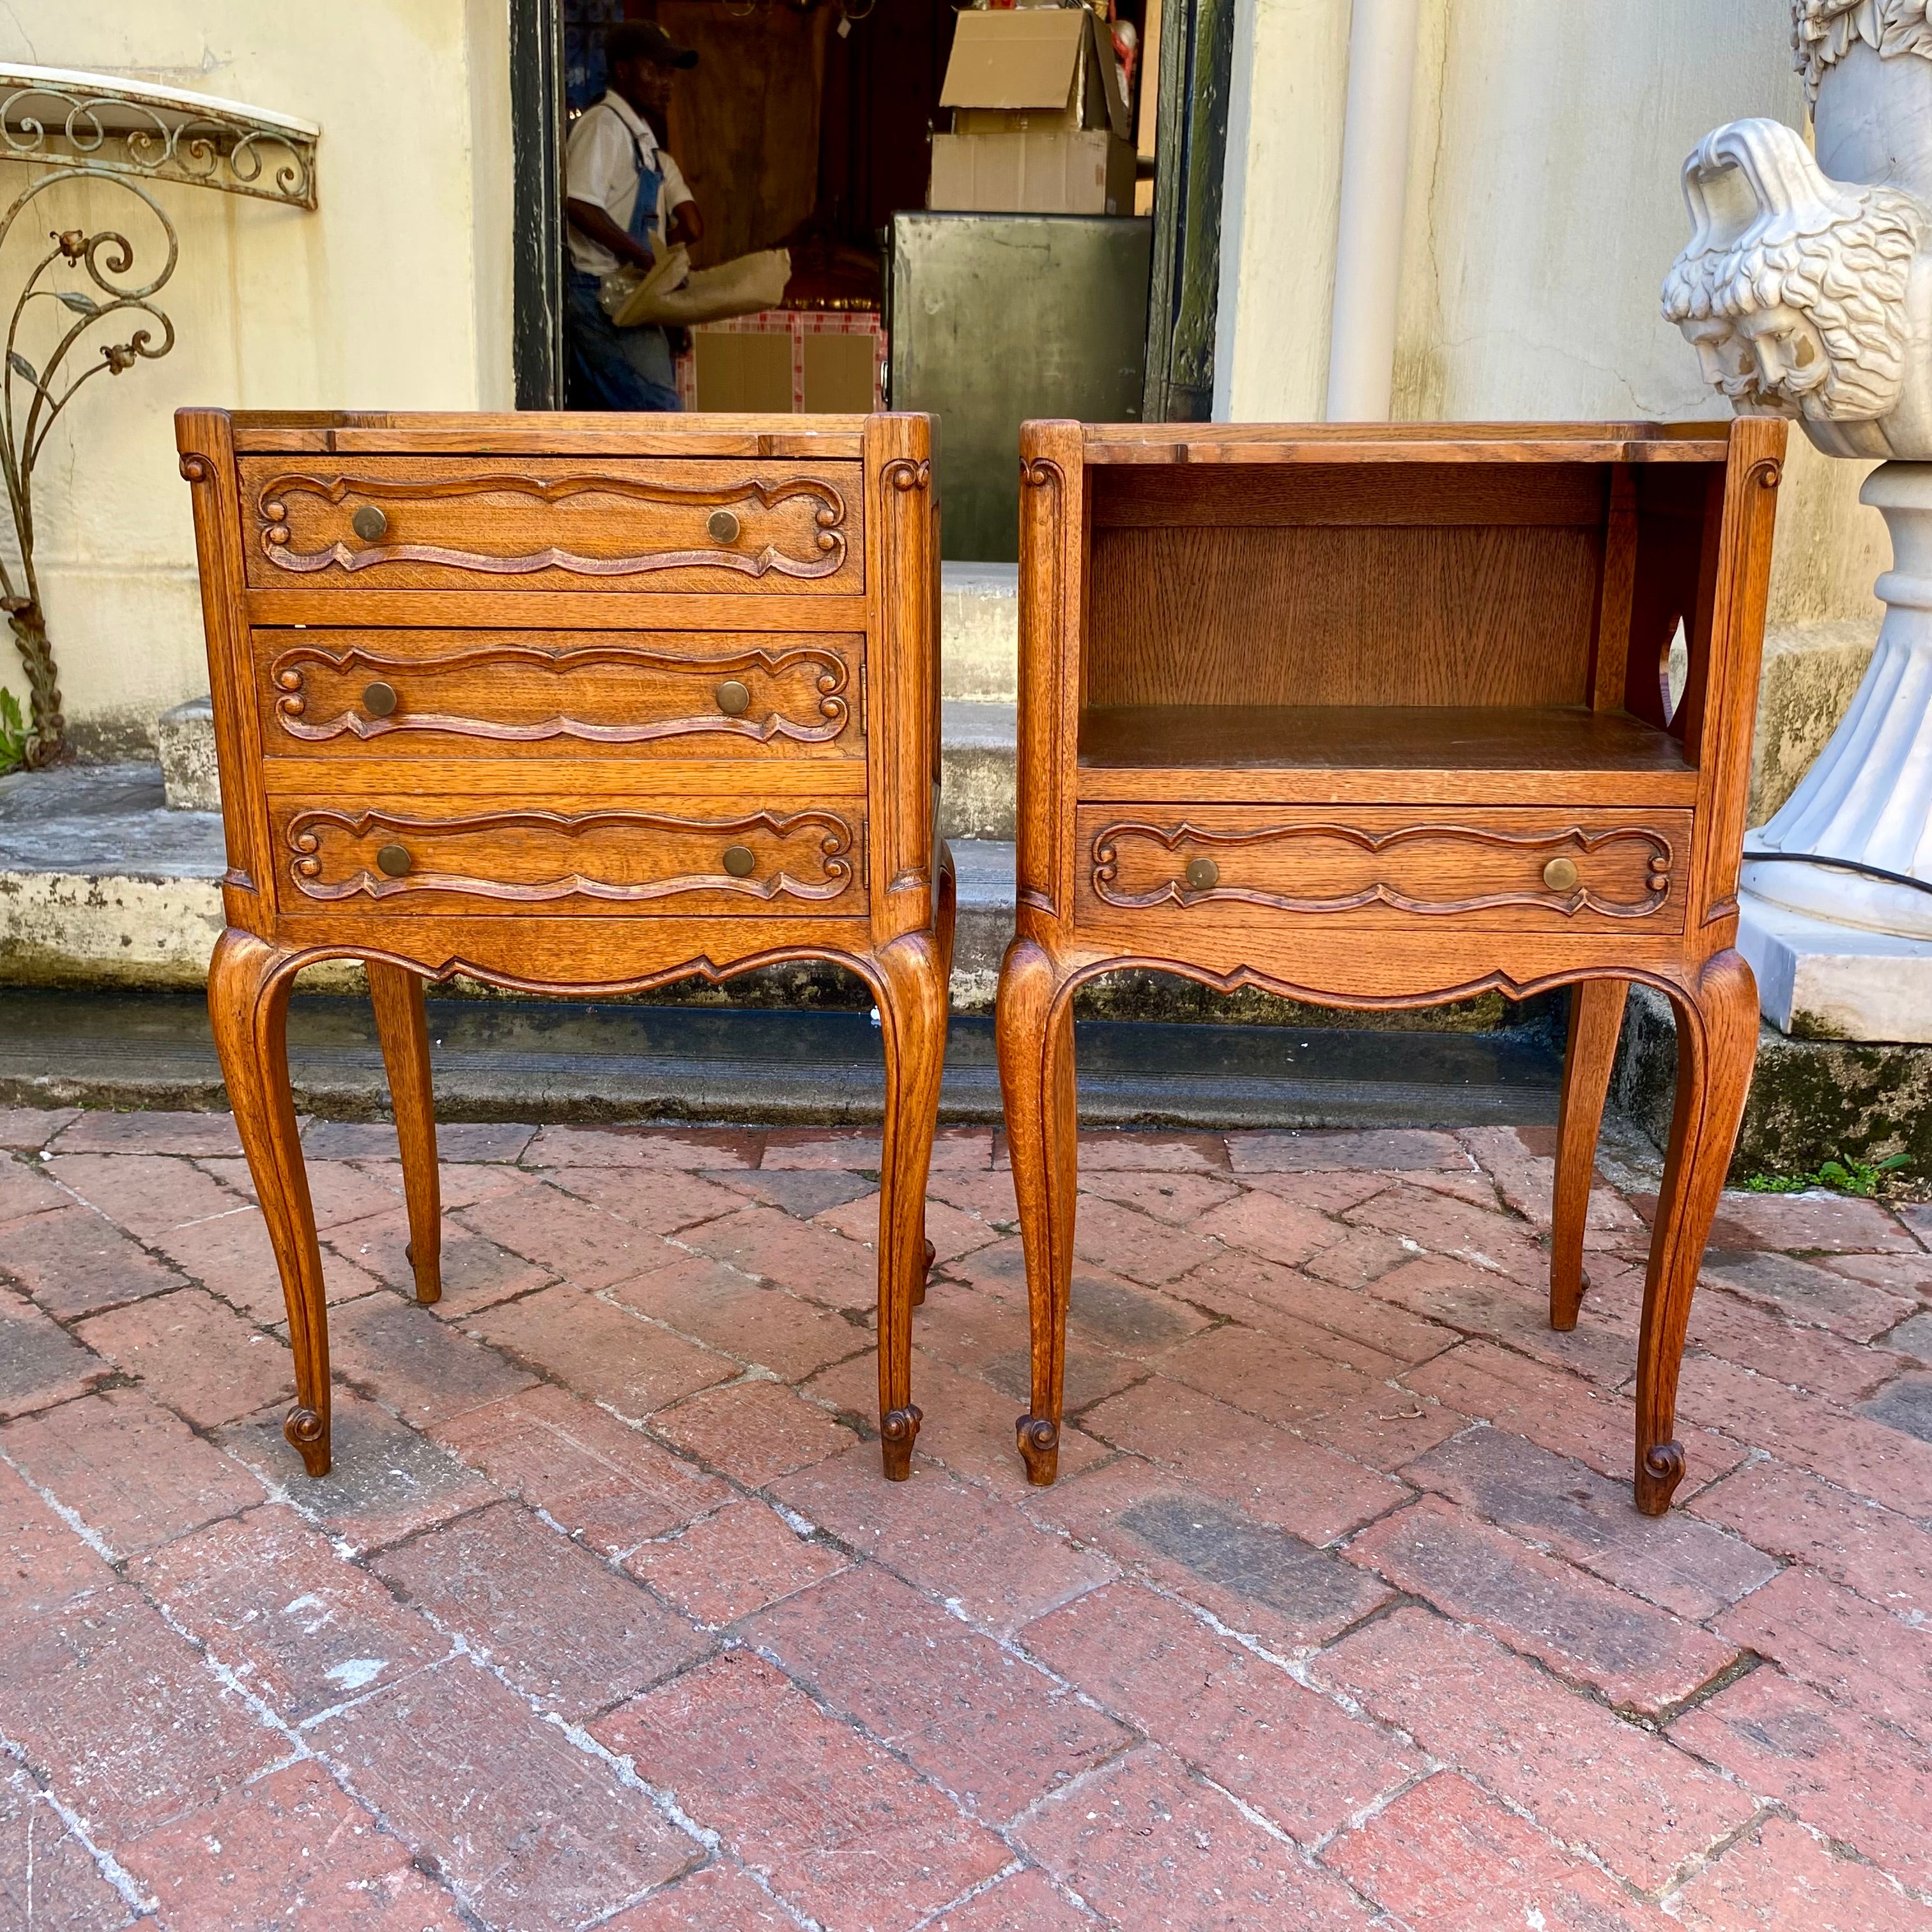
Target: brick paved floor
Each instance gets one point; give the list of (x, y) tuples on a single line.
[(1338, 1616)]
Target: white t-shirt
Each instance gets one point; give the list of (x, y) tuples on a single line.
[(601, 166)]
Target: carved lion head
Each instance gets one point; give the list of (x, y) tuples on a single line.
[(1792, 287)]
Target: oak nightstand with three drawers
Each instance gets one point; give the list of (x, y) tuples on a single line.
[(570, 704)]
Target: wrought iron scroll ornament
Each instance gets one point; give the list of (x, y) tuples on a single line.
[(82, 307)]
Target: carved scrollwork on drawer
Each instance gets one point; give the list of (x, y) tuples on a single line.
[(528, 857), (1617, 872), (583, 523), (502, 691)]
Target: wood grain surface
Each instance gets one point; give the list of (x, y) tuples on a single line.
[(452, 693), (1377, 866), (1350, 614), (555, 523)]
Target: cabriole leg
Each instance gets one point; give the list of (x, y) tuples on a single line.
[(1717, 1043), (248, 985), (1035, 1031), (912, 1013), (946, 916), (1596, 1019), (404, 1029)]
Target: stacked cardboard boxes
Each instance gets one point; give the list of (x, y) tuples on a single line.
[(1039, 123)]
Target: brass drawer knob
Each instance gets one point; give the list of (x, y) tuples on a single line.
[(739, 860), (369, 523), (1560, 875), (1202, 874), (394, 860), (733, 698), (723, 526), (378, 699)]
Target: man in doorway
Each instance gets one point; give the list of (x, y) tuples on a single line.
[(621, 188)]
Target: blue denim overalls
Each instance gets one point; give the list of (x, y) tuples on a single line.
[(607, 368)]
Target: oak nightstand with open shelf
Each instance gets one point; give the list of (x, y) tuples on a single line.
[(1380, 716)]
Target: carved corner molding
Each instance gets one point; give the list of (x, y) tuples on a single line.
[(1042, 527), (1823, 31)]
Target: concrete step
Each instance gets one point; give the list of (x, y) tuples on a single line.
[(977, 742), (109, 899), (528, 1060), (101, 884), (978, 762)]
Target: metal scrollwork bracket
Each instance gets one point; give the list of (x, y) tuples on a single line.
[(81, 308)]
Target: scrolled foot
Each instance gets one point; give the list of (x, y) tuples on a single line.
[(1659, 1470), (429, 1280), (1564, 1309), (308, 1434), (899, 1428), (1039, 1447)]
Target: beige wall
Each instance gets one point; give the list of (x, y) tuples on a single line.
[(1543, 210), (394, 293)]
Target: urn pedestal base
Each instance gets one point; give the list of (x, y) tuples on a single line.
[(1818, 980)]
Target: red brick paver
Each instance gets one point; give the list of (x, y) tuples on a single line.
[(1156, 1849), (835, 1825), (1339, 1617), (1446, 1856)]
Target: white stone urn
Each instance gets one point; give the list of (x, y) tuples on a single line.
[(1806, 288)]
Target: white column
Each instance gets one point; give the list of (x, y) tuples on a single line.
[(1375, 181)]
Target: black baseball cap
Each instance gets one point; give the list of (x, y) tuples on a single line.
[(645, 40)]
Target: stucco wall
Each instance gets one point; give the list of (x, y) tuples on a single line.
[(1543, 210), (394, 293)]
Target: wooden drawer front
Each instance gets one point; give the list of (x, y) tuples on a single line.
[(1591, 870), (376, 522), (676, 857), (444, 693)]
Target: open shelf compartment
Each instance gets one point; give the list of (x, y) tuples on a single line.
[(1509, 620)]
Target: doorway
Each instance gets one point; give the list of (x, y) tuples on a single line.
[(810, 127)]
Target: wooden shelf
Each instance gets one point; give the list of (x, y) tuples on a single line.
[(1370, 752)]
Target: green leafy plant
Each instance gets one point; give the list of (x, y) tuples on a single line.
[(1846, 1175), (14, 735)]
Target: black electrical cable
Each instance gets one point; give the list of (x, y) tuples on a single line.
[(1842, 865)]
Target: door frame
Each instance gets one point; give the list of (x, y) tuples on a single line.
[(536, 146), (1197, 45)]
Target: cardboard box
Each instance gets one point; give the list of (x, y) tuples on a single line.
[(840, 374), (1091, 172), (747, 374), (1032, 70), (784, 360)]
